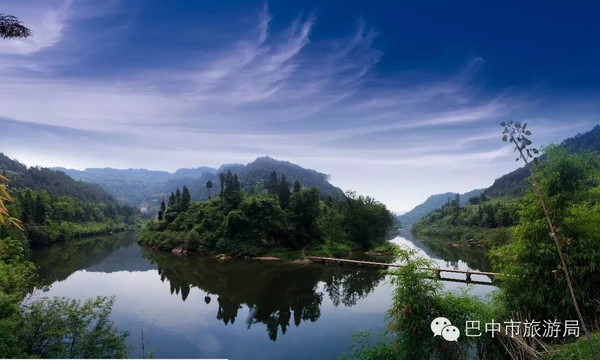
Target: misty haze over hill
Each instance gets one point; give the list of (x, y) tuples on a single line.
[(148, 187)]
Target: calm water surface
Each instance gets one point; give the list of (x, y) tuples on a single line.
[(239, 309)]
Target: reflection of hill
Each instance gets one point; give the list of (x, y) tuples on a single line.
[(127, 258), (274, 292), (441, 249), (107, 254)]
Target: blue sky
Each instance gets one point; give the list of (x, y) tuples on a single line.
[(393, 100)]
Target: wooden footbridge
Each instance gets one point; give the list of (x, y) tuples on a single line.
[(438, 271)]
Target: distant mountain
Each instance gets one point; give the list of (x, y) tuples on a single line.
[(195, 172), (130, 186), (432, 203), (513, 183), (149, 187)]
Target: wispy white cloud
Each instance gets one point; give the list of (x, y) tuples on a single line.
[(278, 91)]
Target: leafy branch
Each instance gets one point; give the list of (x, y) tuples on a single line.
[(12, 28), (5, 218), (517, 134)]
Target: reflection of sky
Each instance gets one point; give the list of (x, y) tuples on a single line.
[(191, 329)]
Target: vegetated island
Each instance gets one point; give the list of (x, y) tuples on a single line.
[(273, 219)]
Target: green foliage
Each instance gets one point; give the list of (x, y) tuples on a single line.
[(64, 328), (303, 214), (209, 185), (516, 182), (432, 203), (577, 350), (185, 198), (273, 183), (484, 222), (365, 220), (49, 218), (570, 183), (284, 192), (50, 328), (252, 224), (297, 186), (161, 212), (417, 300)]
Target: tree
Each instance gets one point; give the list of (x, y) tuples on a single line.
[(172, 199), (12, 28), (40, 210), (236, 183), (222, 180), (284, 192), (231, 192), (177, 198), (517, 134), (186, 198), (27, 206), (209, 186), (63, 328), (304, 211), (161, 212), (297, 186), (273, 183)]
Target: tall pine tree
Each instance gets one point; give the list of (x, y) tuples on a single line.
[(161, 212), (40, 210), (186, 198), (273, 183), (284, 192)]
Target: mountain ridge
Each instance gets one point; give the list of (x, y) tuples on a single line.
[(433, 202), (137, 186)]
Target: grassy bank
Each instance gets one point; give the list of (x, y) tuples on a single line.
[(577, 350), (42, 235)]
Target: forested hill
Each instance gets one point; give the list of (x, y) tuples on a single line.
[(134, 186), (432, 203), (261, 168), (54, 207), (54, 182), (513, 184)]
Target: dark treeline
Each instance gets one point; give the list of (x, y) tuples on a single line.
[(275, 215)]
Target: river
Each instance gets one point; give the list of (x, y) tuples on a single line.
[(193, 307)]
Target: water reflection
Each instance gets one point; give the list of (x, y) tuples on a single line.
[(276, 293), (105, 254), (236, 308), (452, 256)]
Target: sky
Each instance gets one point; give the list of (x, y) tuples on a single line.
[(393, 100)]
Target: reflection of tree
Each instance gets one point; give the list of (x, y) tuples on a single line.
[(348, 287), (275, 293), (440, 248), (105, 253)]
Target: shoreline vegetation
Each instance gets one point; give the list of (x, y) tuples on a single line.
[(274, 220)]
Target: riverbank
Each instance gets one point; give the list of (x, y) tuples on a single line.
[(463, 236), (385, 251), (44, 235)]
